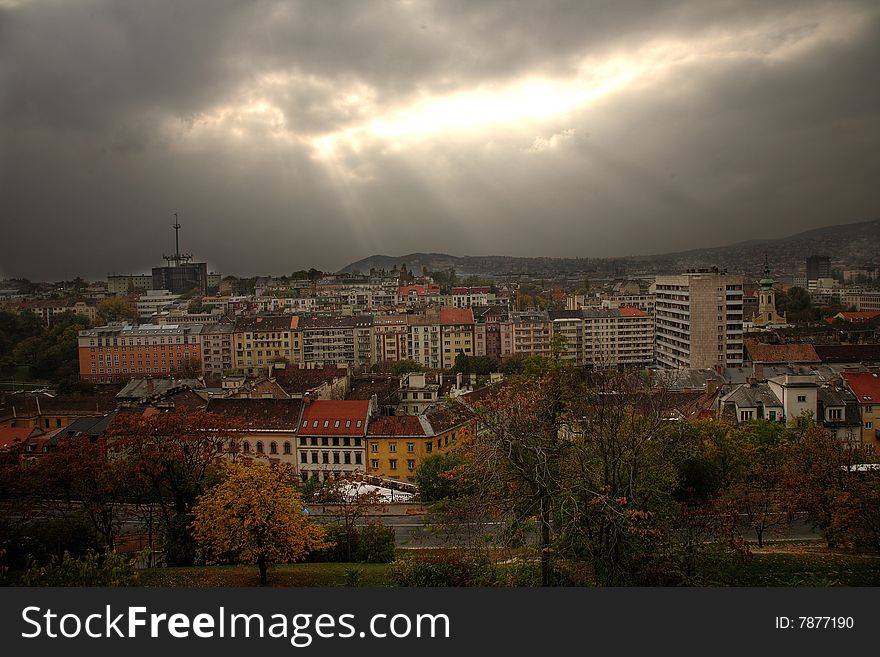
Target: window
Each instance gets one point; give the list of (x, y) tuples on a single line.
[(303, 457), (392, 464), (347, 457), (429, 447), (315, 424), (745, 416), (374, 447), (273, 448), (347, 424), (336, 457), (410, 464), (835, 414), (305, 424), (314, 457), (326, 423), (392, 447), (410, 447), (374, 463), (302, 441), (336, 424), (359, 422), (869, 425), (358, 458), (325, 457), (802, 398), (246, 447), (259, 447), (771, 415)]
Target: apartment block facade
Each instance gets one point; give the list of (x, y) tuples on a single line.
[(118, 352), (699, 320)]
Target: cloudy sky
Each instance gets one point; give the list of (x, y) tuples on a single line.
[(295, 134)]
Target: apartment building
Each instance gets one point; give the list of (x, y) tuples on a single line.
[(699, 319), (118, 352), (260, 340), (605, 338), (129, 284), (456, 334), (330, 438), (217, 345), (529, 333), (465, 297), (866, 387), (423, 342), (391, 335), (337, 340)]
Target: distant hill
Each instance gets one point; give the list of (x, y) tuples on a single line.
[(857, 244)]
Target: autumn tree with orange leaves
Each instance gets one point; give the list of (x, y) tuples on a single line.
[(255, 516)]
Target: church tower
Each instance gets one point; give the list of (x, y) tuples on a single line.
[(767, 315)]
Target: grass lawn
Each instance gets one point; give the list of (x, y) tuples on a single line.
[(299, 574), (801, 563), (783, 563)]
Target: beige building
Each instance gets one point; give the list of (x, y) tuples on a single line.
[(605, 338), (699, 320), (263, 339)]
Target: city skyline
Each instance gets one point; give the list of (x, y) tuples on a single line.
[(291, 134)]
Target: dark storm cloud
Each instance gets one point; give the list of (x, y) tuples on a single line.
[(758, 119)]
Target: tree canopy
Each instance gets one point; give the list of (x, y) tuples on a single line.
[(255, 515)]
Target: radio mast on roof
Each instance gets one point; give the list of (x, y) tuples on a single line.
[(178, 257)]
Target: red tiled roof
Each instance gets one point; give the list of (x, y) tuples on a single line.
[(299, 380), (11, 436), (335, 418), (396, 425), (865, 386), (863, 316), (781, 353), (626, 311), (268, 414), (456, 316)]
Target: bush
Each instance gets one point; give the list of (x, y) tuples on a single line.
[(375, 544), (41, 540), (92, 569), (444, 568)]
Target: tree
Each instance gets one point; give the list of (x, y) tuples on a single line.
[(406, 366), (435, 479), (172, 458), (515, 464), (349, 503), (819, 477), (757, 493), (191, 368), (255, 515), (115, 309), (78, 470)]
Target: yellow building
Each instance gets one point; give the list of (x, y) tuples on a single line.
[(456, 334), (397, 445), (866, 387), (260, 340)]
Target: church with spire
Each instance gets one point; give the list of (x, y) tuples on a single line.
[(767, 317)]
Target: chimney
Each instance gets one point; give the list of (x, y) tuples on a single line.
[(711, 386), (307, 398), (719, 368), (758, 371), (458, 380)]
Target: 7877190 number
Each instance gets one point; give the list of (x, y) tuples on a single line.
[(825, 622)]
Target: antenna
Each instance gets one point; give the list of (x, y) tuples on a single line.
[(178, 257)]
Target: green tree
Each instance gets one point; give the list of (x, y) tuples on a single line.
[(435, 477), (115, 309)]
